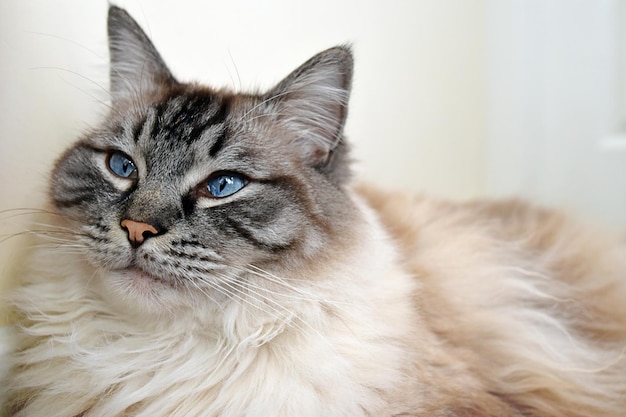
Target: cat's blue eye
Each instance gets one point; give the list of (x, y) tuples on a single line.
[(224, 185), (121, 165)]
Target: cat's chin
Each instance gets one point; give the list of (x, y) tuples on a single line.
[(140, 291)]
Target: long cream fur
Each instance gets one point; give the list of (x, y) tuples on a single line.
[(534, 303), (331, 346), (435, 309)]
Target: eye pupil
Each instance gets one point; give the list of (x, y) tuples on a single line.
[(224, 182)]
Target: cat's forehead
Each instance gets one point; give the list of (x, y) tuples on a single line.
[(191, 128), (181, 120)]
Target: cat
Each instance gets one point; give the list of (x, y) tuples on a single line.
[(217, 259)]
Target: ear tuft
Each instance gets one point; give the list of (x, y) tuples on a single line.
[(136, 66), (312, 102)]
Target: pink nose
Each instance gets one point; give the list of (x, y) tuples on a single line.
[(138, 232)]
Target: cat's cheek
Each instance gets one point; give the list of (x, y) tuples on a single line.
[(107, 255)]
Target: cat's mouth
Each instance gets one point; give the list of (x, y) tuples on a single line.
[(142, 279)]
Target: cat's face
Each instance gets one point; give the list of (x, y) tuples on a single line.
[(184, 190)]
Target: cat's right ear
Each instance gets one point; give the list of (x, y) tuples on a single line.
[(136, 66)]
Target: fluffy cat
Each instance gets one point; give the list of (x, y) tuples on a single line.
[(217, 261)]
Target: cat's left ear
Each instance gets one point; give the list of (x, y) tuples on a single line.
[(136, 66), (312, 102)]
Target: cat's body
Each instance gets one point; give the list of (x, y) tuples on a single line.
[(219, 264)]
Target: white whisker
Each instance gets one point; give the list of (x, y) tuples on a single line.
[(285, 283)]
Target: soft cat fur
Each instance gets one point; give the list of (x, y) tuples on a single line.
[(297, 295)]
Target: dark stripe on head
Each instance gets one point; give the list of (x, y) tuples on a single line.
[(218, 118), (221, 113), (160, 111), (218, 144), (138, 128)]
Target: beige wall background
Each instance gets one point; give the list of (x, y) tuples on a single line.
[(449, 95)]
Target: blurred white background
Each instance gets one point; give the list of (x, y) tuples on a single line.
[(462, 98)]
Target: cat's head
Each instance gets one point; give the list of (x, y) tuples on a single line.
[(185, 189)]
